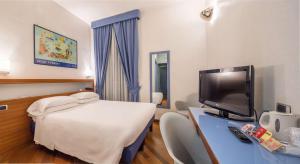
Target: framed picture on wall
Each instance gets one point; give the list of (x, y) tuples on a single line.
[(53, 49)]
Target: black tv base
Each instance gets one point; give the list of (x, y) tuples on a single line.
[(225, 115)]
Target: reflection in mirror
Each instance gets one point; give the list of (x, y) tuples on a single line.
[(160, 79)]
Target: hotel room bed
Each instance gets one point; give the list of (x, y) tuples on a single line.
[(96, 132)]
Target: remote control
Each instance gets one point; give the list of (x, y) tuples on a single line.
[(240, 135)]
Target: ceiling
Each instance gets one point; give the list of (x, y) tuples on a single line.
[(90, 10)]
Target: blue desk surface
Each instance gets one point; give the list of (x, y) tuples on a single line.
[(228, 149)]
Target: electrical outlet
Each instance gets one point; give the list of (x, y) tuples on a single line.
[(3, 107)]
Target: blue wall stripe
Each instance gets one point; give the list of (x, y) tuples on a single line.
[(117, 18)]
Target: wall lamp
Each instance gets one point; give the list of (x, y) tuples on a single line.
[(88, 73), (207, 13), (4, 67)]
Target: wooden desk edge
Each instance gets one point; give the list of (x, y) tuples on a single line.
[(201, 135)]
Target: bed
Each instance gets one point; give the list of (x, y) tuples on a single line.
[(113, 131)]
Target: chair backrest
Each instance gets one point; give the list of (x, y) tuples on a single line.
[(180, 105), (181, 139)]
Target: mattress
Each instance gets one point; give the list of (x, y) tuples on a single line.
[(96, 132)]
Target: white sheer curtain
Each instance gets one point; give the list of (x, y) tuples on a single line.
[(115, 87)]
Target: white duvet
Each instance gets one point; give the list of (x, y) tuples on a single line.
[(96, 132)]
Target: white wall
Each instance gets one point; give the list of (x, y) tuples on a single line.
[(262, 33), (16, 40), (177, 28)]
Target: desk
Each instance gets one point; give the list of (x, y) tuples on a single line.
[(223, 147)]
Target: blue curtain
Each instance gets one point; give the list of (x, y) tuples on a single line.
[(127, 41), (102, 44)]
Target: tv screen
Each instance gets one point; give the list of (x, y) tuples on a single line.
[(229, 90)]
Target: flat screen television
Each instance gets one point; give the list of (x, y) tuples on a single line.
[(230, 90)]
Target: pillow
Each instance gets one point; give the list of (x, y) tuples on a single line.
[(83, 101), (85, 95), (53, 109), (51, 104)]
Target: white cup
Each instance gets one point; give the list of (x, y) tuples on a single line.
[(294, 136)]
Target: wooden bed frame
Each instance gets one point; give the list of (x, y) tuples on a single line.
[(15, 123)]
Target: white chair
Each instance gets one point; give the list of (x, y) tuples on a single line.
[(181, 140), (182, 108), (157, 97)]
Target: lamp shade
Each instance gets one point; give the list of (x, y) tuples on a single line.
[(88, 73), (4, 66)]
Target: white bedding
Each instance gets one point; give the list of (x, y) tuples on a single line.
[(95, 132)]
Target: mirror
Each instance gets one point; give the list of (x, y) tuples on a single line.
[(160, 78)]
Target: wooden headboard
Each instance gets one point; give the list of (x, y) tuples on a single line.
[(14, 122)]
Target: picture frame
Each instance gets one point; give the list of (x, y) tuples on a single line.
[(54, 49)]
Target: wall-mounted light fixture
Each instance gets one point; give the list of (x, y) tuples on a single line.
[(4, 66), (88, 73), (207, 13)]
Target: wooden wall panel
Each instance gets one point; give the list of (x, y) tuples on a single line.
[(35, 81), (15, 123)]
